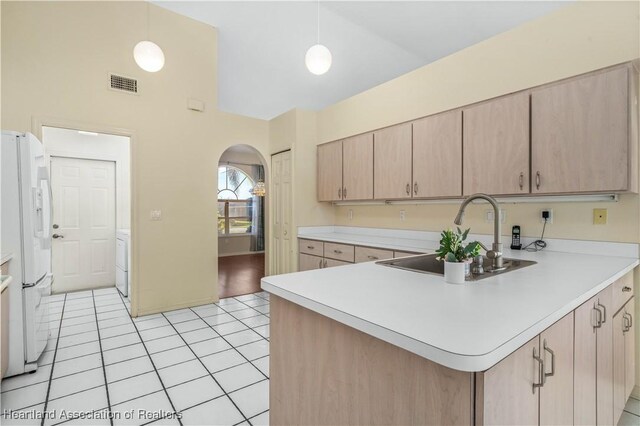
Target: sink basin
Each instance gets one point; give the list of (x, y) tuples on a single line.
[(429, 264)]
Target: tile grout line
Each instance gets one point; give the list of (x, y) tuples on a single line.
[(210, 373), (53, 363), (243, 323), (153, 364), (233, 346), (104, 370)]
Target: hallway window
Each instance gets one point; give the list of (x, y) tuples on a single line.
[(234, 201)]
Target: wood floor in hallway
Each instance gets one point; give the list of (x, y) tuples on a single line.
[(238, 275)]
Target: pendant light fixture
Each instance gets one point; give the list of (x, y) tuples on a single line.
[(259, 190), (147, 54), (318, 57)]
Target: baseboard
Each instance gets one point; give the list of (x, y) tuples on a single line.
[(240, 253), (190, 304)]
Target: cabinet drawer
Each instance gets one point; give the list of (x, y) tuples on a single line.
[(342, 252), (368, 254), (622, 291), (330, 263), (310, 247), (397, 254)]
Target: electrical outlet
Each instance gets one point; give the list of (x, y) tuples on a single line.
[(550, 219), (350, 214), (599, 216), (402, 215), (156, 214), (488, 214)]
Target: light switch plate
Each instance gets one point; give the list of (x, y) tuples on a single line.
[(599, 216), (403, 215), (488, 216), (156, 214)]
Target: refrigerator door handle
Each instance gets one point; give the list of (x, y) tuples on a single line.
[(43, 177)]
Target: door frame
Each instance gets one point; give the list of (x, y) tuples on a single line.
[(38, 122)]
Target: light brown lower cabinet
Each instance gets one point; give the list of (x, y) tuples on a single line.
[(623, 358), (533, 385), (308, 262)]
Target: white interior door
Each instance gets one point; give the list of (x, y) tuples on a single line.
[(84, 217), (281, 222)]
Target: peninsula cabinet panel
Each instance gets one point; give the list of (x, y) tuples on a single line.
[(604, 358), (580, 134), (326, 373), (330, 171), (357, 167), (629, 349), (505, 393), (437, 156), (496, 146), (392, 163), (619, 398), (556, 396)]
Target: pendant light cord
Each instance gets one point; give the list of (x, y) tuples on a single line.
[(148, 13), (318, 21)]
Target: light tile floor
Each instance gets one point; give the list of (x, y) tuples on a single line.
[(208, 364), (631, 414)]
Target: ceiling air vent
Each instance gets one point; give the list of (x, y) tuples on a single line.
[(124, 84)]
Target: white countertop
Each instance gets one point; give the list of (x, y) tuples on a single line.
[(4, 258), (5, 280), (468, 327)]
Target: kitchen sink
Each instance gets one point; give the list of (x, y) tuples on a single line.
[(429, 264)]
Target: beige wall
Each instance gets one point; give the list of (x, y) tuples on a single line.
[(55, 60), (579, 38)]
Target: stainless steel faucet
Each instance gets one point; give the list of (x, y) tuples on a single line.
[(495, 254)]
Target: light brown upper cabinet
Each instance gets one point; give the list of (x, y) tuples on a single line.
[(357, 167), (330, 171), (437, 156), (580, 139), (496, 146), (392, 162)]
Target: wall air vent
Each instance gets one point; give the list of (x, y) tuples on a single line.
[(123, 84)]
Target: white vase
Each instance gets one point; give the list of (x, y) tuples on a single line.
[(454, 272)]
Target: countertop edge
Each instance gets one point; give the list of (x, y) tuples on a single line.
[(461, 362)]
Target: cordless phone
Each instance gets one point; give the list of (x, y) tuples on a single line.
[(515, 238)]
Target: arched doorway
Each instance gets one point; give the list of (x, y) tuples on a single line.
[(241, 221)]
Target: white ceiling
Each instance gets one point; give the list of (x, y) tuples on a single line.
[(261, 44)]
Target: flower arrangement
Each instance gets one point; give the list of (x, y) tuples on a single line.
[(453, 249)]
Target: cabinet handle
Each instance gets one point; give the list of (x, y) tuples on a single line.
[(553, 360), (541, 376), (598, 317), (373, 257), (325, 263), (537, 180), (344, 192), (320, 264), (604, 312), (310, 247), (339, 193), (521, 181), (337, 251), (625, 323), (408, 189), (626, 288), (415, 188)]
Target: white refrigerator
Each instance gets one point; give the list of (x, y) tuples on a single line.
[(25, 204)]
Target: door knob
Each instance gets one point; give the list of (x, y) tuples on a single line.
[(56, 226), (57, 236)]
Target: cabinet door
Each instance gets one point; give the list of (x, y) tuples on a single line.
[(604, 359), (392, 162), (619, 395), (496, 146), (556, 396), (357, 170), (330, 171), (330, 263), (584, 379), (307, 262), (580, 140), (437, 155), (630, 351), (507, 396)]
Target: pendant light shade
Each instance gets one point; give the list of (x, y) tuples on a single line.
[(259, 190), (318, 59), (148, 56)]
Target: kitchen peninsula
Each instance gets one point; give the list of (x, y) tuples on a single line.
[(369, 344)]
